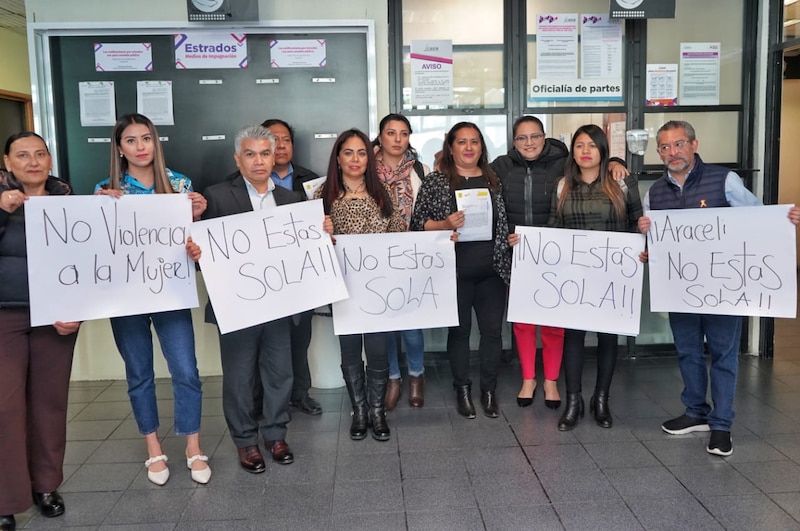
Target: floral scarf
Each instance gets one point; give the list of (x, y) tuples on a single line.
[(399, 181)]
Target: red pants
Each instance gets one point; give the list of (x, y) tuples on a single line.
[(35, 364), (552, 349)]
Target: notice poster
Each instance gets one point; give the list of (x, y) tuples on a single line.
[(557, 46), (432, 72), (154, 100), (98, 103), (123, 57), (723, 261), (587, 280), (699, 73), (662, 85), (95, 256), (397, 281), (210, 50), (298, 53), (601, 47)]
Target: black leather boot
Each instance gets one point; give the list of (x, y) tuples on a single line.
[(572, 413), (464, 400), (354, 381), (598, 406), (7, 522), (376, 398), (489, 404)]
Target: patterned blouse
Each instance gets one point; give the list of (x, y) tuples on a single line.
[(180, 183), (436, 201), (361, 215), (587, 207)]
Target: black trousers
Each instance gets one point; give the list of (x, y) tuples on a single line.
[(300, 330), (484, 291), (575, 352), (374, 345)]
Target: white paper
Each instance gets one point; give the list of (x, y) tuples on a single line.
[(431, 72), (210, 50), (723, 261), (264, 265), (699, 73), (123, 57), (98, 103), (478, 216), (154, 100), (601, 47), (311, 186), (557, 46), (662, 85), (585, 280), (396, 281), (91, 257), (298, 53)]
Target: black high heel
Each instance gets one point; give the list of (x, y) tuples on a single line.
[(552, 404), (524, 401)]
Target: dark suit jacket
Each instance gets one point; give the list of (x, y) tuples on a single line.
[(230, 197), (300, 176)]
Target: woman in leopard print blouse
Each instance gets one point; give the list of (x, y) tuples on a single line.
[(357, 202)]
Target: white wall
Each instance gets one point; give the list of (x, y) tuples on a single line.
[(96, 356)]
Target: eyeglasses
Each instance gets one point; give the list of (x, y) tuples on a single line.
[(666, 148), (533, 138)]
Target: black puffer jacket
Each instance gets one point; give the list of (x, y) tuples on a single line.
[(527, 185)]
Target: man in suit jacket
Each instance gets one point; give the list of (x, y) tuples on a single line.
[(291, 176), (259, 355)]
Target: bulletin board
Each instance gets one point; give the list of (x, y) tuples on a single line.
[(319, 102)]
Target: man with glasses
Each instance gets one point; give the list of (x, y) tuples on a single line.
[(688, 182)]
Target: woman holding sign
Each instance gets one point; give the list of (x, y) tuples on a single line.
[(399, 167), (35, 362), (357, 202), (465, 197), (589, 198), (137, 167)]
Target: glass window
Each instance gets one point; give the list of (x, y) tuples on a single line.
[(716, 134), (476, 30), (604, 62), (429, 133), (791, 19), (707, 21)]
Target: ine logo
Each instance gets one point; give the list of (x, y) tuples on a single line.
[(629, 4)]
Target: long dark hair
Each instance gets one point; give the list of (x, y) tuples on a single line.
[(334, 187), (394, 117), (119, 164), (572, 172), (447, 165)]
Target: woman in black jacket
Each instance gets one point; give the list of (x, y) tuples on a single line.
[(529, 173)]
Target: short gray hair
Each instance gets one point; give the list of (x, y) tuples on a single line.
[(254, 132), (678, 124)]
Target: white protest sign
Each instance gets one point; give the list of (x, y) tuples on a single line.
[(585, 280), (264, 265), (396, 281), (91, 257), (723, 261)]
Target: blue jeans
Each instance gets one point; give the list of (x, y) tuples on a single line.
[(415, 352), (723, 333), (135, 342)]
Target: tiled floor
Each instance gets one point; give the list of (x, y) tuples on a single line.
[(440, 471)]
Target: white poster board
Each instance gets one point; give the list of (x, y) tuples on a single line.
[(91, 257), (396, 281), (699, 73), (264, 265), (585, 280), (723, 261), (210, 50), (298, 53), (557, 45), (123, 56)]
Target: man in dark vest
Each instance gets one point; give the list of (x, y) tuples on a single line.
[(688, 182)]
